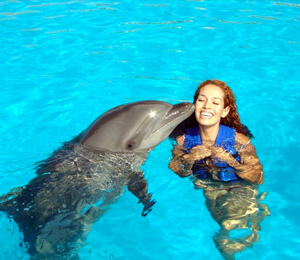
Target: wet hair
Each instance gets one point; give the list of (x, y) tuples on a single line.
[(232, 119)]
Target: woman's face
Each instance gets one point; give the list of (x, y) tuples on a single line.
[(209, 106)]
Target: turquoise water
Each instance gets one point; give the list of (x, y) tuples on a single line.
[(64, 63)]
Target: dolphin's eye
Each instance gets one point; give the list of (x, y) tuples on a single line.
[(130, 145)]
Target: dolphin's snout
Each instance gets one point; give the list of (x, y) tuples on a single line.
[(188, 105), (180, 112), (184, 107)]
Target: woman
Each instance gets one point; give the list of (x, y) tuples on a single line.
[(215, 145)]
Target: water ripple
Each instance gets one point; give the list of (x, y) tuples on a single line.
[(18, 13), (165, 22)]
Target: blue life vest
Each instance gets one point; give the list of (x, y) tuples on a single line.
[(226, 140)]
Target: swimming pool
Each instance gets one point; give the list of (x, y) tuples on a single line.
[(64, 63)]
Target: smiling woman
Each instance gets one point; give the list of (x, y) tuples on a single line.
[(215, 137), (214, 147)]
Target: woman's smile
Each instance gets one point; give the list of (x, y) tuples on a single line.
[(209, 107), (206, 114)]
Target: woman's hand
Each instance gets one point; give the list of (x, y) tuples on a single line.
[(224, 156), (197, 153)]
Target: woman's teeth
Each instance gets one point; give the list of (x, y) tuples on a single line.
[(206, 114)]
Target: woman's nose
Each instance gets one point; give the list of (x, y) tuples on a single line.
[(206, 104)]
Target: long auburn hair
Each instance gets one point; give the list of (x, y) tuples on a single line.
[(232, 119)]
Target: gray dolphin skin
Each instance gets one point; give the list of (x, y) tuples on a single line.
[(74, 187)]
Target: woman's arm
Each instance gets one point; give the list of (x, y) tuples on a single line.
[(250, 168), (182, 162), (178, 163)]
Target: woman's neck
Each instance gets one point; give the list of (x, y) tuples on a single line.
[(209, 133)]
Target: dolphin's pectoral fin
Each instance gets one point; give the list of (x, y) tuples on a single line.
[(138, 186), (147, 207)]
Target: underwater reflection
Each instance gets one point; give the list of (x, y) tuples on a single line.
[(239, 210)]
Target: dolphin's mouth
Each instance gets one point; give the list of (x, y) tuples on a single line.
[(175, 116), (183, 114)]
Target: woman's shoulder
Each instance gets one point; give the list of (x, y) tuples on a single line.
[(241, 138)]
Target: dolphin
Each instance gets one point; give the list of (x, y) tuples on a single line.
[(74, 187)]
